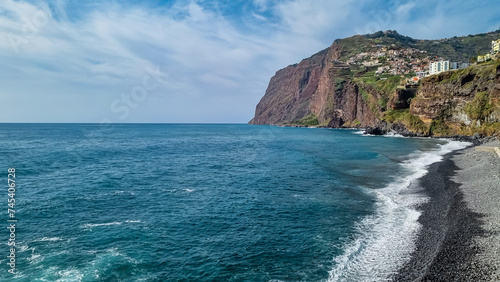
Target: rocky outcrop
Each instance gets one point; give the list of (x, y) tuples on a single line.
[(402, 98), (383, 128), (454, 89), (450, 97)]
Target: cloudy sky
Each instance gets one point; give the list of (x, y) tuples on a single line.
[(186, 61)]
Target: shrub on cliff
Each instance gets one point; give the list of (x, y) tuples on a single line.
[(411, 122), (309, 120), (440, 128), (479, 108)]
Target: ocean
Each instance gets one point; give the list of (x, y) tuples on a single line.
[(206, 202)]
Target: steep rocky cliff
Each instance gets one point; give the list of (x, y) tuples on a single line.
[(318, 85), (290, 91), (328, 89)]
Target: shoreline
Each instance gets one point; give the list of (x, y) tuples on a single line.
[(460, 227), (475, 139)]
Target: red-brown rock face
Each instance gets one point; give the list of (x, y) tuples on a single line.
[(290, 91), (310, 87)]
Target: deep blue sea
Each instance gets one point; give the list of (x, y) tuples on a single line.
[(187, 202)]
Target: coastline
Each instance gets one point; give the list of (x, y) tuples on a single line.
[(459, 238)]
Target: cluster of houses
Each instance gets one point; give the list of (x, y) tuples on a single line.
[(403, 61), (493, 54), (393, 60)]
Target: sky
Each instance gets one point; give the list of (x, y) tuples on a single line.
[(186, 61)]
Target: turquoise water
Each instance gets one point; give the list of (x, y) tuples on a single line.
[(209, 202)]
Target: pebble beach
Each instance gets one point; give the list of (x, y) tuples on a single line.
[(479, 177), (460, 235)]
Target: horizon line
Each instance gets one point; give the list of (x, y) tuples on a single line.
[(123, 123)]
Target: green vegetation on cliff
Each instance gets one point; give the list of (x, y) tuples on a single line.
[(364, 43), (464, 76), (384, 89), (452, 87), (462, 102), (458, 48), (404, 117), (384, 84), (479, 108), (309, 120)]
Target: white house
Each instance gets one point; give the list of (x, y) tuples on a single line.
[(437, 67)]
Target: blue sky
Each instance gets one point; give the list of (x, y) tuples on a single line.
[(186, 61)]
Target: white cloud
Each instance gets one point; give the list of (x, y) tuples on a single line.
[(405, 9), (106, 53), (262, 5), (312, 18), (67, 69)]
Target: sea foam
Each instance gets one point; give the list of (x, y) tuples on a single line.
[(387, 238), (92, 225)]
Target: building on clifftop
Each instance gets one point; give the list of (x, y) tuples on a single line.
[(495, 48), (440, 66)]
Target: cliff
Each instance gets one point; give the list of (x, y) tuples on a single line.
[(290, 91), (318, 86), (460, 102), (341, 87)]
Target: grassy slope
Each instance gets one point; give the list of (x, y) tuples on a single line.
[(455, 49)]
